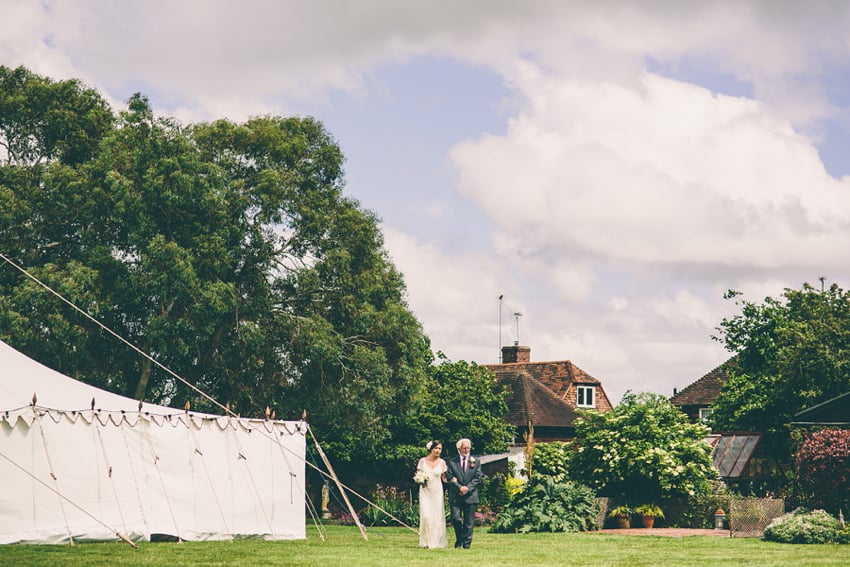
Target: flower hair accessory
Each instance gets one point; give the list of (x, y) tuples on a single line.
[(429, 445)]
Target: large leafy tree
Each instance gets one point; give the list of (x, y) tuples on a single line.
[(226, 251), (42, 120), (462, 399), (792, 353), (644, 450)]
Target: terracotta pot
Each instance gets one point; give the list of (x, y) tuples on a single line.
[(624, 522), (647, 521)]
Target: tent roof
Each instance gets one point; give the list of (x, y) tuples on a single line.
[(23, 377)]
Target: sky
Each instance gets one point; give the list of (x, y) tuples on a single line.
[(608, 169)]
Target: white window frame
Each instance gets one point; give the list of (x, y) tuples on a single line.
[(704, 413), (583, 393)]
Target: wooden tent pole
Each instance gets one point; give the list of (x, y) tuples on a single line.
[(339, 487)]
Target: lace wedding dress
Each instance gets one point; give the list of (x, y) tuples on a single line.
[(432, 512)]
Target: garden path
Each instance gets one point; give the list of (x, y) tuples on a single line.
[(665, 532)]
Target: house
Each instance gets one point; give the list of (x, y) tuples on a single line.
[(696, 399), (739, 457), (546, 395)]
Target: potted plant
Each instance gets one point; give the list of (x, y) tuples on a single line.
[(623, 515), (648, 513)]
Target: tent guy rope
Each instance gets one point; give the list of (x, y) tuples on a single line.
[(52, 469), (119, 337), (118, 534), (343, 488)]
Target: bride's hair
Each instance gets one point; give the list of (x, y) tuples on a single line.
[(432, 443)]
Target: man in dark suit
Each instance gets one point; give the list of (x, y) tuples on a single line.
[(463, 477)]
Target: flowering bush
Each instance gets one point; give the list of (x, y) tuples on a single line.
[(803, 526), (823, 469), (484, 517), (551, 459), (346, 519), (644, 448)]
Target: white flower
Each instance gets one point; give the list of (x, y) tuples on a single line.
[(420, 478)]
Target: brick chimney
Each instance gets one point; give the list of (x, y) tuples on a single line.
[(516, 353)]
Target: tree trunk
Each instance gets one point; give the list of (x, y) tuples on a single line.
[(142, 384)]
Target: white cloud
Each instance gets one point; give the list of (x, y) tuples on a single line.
[(661, 172), (455, 296), (204, 50), (622, 203)]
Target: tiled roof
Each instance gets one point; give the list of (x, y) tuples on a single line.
[(705, 390), (529, 399), (558, 376)]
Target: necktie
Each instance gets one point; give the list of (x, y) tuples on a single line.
[(463, 464)]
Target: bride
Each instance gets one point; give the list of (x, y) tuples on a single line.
[(430, 475)]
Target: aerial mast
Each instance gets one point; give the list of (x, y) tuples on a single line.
[(500, 327)]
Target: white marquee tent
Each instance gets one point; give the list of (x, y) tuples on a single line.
[(71, 472)]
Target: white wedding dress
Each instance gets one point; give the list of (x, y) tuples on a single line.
[(432, 512)]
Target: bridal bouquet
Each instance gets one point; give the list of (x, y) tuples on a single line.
[(420, 478)]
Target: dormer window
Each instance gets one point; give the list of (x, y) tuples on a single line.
[(585, 396)]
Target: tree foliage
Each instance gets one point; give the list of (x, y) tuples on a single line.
[(644, 450), (227, 251), (42, 120), (823, 469), (462, 399), (792, 353), (552, 459)]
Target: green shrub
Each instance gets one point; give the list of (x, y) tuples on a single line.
[(803, 526), (390, 500), (493, 491), (545, 505), (650, 509), (551, 459), (645, 449), (697, 510)]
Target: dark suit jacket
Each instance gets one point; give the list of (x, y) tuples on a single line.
[(455, 477)]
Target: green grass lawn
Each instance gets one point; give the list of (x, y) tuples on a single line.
[(398, 546)]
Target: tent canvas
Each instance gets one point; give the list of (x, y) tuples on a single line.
[(70, 471)]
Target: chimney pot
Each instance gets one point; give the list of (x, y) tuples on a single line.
[(516, 353)]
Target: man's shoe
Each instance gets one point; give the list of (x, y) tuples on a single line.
[(457, 544), (466, 546)]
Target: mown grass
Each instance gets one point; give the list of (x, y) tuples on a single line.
[(398, 546)]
